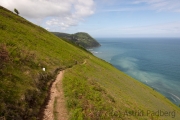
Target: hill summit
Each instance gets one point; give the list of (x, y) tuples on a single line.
[(81, 38)]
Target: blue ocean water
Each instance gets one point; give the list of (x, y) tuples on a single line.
[(153, 61)]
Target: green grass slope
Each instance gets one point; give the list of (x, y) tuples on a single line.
[(101, 92), (24, 50), (93, 88)]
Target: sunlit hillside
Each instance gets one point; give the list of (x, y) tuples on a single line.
[(93, 88)]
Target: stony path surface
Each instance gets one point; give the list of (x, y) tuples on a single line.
[(58, 111)]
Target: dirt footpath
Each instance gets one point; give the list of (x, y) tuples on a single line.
[(55, 108)]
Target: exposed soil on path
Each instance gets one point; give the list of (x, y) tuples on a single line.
[(55, 109), (84, 62)]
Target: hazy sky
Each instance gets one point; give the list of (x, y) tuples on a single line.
[(103, 18)]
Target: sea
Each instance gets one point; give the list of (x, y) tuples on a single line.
[(152, 61)]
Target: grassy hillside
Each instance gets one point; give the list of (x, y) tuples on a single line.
[(24, 50), (82, 39), (93, 88), (99, 91)]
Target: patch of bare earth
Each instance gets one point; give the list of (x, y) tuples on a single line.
[(55, 108)]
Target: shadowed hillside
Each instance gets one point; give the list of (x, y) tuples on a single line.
[(82, 39)]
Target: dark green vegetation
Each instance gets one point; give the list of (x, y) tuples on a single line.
[(16, 11), (81, 39), (93, 88)]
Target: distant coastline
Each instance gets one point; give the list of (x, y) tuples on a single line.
[(81, 39)]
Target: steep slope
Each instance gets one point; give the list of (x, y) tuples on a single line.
[(93, 88), (80, 38), (99, 91), (24, 50)]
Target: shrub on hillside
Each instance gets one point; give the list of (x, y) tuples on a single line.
[(16, 11)]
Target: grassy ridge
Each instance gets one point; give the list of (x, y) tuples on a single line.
[(24, 50), (93, 88)]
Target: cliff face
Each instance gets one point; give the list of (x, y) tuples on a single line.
[(81, 39)]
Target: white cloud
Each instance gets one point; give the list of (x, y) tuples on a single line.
[(161, 5), (125, 9), (38, 8), (63, 13), (159, 30), (63, 23), (171, 29), (139, 5)]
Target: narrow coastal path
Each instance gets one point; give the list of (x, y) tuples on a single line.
[(55, 108), (84, 62)]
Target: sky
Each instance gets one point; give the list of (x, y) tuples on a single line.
[(103, 18)]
